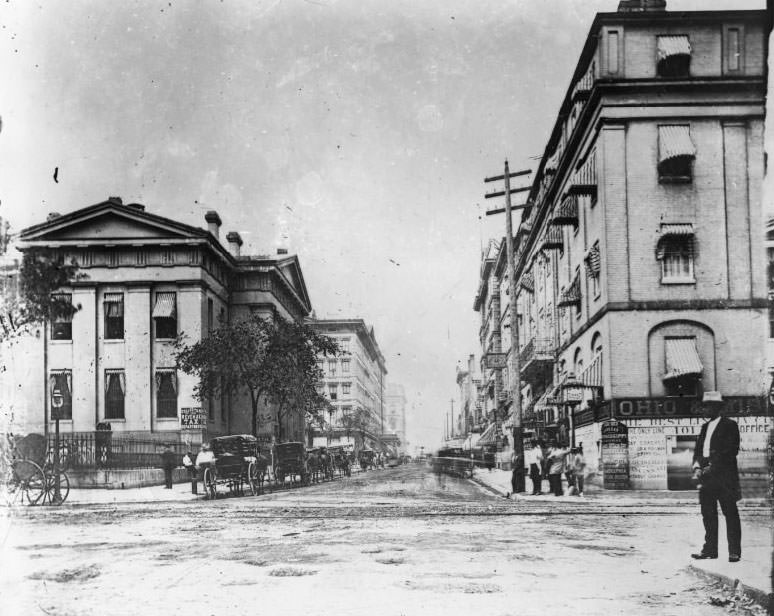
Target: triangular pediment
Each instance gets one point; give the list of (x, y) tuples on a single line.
[(109, 223), (291, 270)]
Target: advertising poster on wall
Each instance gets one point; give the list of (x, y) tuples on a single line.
[(615, 455)]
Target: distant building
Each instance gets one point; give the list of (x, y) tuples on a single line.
[(353, 380), (640, 266), (148, 279), (395, 414)]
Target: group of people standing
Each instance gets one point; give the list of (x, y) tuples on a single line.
[(550, 462)]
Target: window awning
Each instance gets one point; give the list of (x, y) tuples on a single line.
[(674, 141), (553, 162), (571, 295), (593, 262), (567, 213), (682, 358), (669, 46), (528, 282), (553, 239), (165, 306), (674, 231), (114, 304)]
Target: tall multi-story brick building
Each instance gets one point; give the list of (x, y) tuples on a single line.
[(355, 379), (147, 279), (640, 263)]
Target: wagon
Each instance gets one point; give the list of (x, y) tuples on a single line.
[(28, 476), (237, 462), (340, 459), (290, 461), (366, 457)]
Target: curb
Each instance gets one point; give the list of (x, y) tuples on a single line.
[(761, 597)]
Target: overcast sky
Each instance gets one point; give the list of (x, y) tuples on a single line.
[(355, 133)]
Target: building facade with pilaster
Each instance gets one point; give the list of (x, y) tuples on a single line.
[(640, 265)]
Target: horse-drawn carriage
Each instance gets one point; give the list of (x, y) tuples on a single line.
[(366, 459), (290, 460), (28, 475), (236, 461), (340, 460)]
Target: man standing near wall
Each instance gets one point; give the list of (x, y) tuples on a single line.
[(714, 462)]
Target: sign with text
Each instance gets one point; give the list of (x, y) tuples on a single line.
[(615, 455), (669, 407), (495, 361), (192, 419)]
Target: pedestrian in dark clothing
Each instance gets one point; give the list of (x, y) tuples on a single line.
[(169, 464), (714, 462), (555, 460)]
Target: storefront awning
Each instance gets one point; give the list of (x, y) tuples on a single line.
[(489, 436), (674, 141), (165, 306), (669, 46), (682, 358)]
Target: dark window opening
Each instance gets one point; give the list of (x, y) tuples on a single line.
[(688, 385), (62, 381), (62, 324), (166, 394), (114, 395), (678, 65), (676, 169), (114, 316)]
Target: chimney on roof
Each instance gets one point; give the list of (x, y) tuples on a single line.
[(213, 223), (642, 6), (116, 200), (52, 215), (282, 251), (136, 206), (234, 242)]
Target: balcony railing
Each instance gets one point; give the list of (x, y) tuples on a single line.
[(537, 349)]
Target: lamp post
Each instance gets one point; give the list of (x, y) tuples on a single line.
[(57, 401), (573, 395)]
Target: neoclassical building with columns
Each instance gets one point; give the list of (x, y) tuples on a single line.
[(146, 279)]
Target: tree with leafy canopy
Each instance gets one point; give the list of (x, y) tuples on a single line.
[(43, 272), (273, 359), (359, 420)]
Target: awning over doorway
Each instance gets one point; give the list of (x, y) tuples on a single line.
[(682, 358)]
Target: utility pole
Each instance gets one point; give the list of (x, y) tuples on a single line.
[(451, 418), (515, 371)]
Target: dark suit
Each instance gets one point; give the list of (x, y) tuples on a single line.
[(720, 484)]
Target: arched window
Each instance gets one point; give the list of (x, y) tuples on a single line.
[(578, 362)]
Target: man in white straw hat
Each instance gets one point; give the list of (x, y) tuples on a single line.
[(714, 461)]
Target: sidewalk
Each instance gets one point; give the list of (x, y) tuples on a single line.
[(152, 494), (751, 575)]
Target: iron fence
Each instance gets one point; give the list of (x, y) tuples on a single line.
[(109, 450)]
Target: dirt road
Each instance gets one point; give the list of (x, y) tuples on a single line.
[(392, 541)]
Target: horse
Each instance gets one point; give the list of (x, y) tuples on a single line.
[(261, 466), (325, 462), (313, 464)]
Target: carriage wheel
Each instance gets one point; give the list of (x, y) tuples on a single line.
[(32, 481), (64, 489), (210, 486)]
